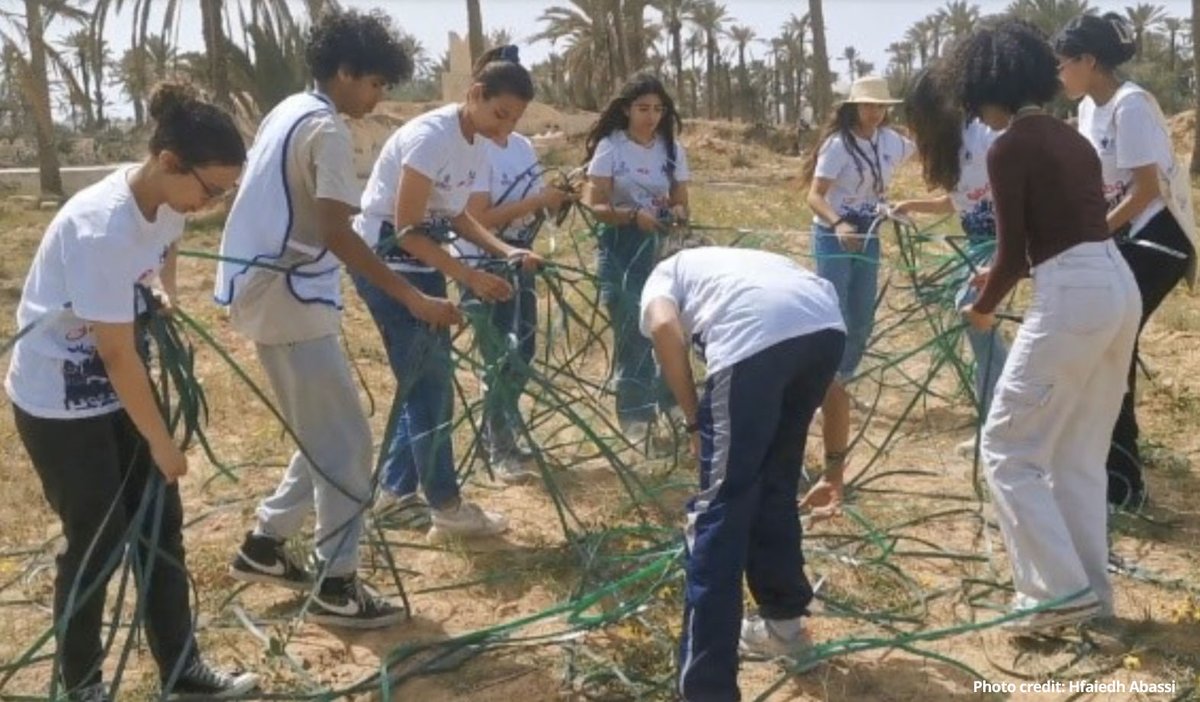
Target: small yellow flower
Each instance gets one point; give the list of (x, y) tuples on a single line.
[(1133, 663)]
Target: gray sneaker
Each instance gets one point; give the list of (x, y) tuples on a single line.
[(513, 471), (467, 520), (761, 638), (409, 511), (97, 692), (1048, 620)]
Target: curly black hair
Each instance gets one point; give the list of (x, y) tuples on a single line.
[(363, 44), (1009, 65)]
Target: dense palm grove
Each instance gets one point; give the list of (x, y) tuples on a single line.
[(718, 68)]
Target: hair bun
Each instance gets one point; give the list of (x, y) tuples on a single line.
[(1122, 28), (169, 99)]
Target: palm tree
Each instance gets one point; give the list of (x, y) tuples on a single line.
[(34, 79), (1174, 26), (918, 36), (79, 43), (852, 58), (475, 29), (709, 18), (496, 37), (742, 36), (937, 22), (634, 19), (961, 17), (902, 58), (863, 68), (580, 28), (822, 84), (695, 47), (673, 14), (1143, 17), (1049, 15)]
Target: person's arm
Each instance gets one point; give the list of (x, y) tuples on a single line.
[(598, 196), (117, 348), (680, 207), (412, 199), (168, 276), (663, 326), (848, 234), (932, 205), (1008, 178), (343, 242), (480, 207), (1143, 191), (470, 229)]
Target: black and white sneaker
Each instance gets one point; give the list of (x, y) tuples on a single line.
[(262, 559), (348, 602), (201, 682)]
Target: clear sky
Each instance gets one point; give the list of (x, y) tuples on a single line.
[(868, 25)]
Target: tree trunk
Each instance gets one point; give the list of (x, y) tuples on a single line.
[(635, 13), (676, 29), (744, 84), (98, 75), (616, 20), (1195, 86), (710, 75), (38, 94), (214, 45), (822, 87), (475, 30)]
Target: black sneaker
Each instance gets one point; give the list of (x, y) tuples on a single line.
[(200, 682), (262, 559), (90, 693), (348, 602)]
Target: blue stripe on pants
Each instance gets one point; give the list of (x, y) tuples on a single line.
[(754, 419)]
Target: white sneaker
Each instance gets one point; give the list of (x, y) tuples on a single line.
[(410, 510), (465, 521), (513, 471), (761, 638), (965, 449), (636, 432), (1048, 620)]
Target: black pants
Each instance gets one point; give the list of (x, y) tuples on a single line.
[(1157, 273), (98, 477)]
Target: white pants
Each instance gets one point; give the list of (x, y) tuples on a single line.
[(1047, 434)]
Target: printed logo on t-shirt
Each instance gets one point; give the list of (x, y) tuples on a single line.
[(85, 383)]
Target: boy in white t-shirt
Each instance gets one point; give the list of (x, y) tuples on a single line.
[(771, 335), (300, 221)]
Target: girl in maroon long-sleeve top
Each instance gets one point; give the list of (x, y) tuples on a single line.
[(1046, 435)]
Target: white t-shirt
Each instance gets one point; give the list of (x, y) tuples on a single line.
[(1126, 134), (855, 193), (641, 174), (735, 303), (972, 197), (434, 146), (512, 173), (94, 253)]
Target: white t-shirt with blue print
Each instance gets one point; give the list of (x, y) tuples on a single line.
[(641, 174), (855, 193), (972, 197)]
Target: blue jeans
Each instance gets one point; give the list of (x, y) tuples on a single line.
[(506, 333), (988, 346), (625, 258), (417, 449), (855, 276)]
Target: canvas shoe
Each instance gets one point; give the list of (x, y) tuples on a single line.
[(346, 601), (199, 681), (262, 559)]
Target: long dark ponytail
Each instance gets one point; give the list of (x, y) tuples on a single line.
[(937, 127)]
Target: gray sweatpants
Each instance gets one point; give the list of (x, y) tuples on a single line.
[(316, 394)]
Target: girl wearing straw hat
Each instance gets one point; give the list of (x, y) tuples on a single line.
[(847, 178)]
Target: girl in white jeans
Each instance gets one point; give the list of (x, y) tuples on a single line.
[(1046, 435)]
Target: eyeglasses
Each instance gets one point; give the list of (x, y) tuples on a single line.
[(211, 192)]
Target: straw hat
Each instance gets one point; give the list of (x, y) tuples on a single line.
[(871, 90)]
